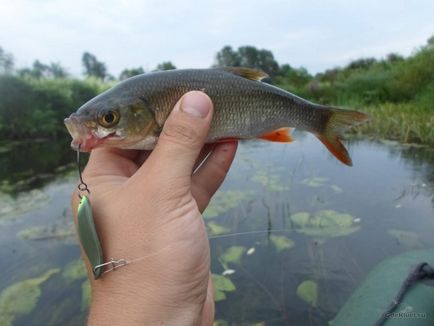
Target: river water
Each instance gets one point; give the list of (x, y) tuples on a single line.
[(293, 232)]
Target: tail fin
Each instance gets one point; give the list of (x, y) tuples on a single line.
[(338, 121)]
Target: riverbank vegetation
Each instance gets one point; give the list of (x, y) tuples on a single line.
[(396, 91)]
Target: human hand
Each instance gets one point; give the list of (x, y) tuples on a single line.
[(149, 204)]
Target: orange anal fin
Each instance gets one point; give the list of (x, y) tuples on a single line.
[(335, 147), (282, 135)]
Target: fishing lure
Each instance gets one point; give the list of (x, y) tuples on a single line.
[(88, 235), (91, 244)]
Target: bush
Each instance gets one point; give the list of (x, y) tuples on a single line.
[(32, 107)]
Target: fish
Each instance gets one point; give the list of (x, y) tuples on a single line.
[(131, 114)]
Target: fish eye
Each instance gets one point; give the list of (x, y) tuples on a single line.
[(109, 119)]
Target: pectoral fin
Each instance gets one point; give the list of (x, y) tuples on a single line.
[(282, 135)]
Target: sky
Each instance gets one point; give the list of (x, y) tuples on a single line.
[(315, 34)]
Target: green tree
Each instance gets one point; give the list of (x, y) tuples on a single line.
[(41, 70), (93, 67), (227, 57), (6, 62), (394, 58), (167, 65), (57, 71), (248, 56), (127, 73), (296, 77), (38, 70), (16, 100), (364, 63), (259, 59), (430, 41)]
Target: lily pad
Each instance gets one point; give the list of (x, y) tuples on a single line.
[(270, 181), (314, 182), (21, 298), (216, 229), (75, 270), (336, 189), (219, 295), (55, 231), (85, 295), (224, 201), (221, 285), (324, 224), (308, 292), (11, 207), (406, 238), (281, 242), (232, 255)]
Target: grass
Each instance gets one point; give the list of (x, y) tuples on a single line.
[(405, 123)]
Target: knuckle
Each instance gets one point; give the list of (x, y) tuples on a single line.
[(181, 134)]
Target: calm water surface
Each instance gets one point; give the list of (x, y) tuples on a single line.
[(293, 231)]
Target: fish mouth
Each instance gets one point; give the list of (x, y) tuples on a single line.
[(83, 138)]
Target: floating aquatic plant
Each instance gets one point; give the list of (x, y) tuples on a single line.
[(324, 224), (216, 229), (221, 285), (21, 298), (75, 270), (5, 147), (308, 292), (406, 238), (85, 295), (271, 181), (55, 231), (314, 182), (336, 189), (11, 207), (225, 200), (232, 255), (281, 242)]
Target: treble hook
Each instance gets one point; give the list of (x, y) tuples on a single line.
[(82, 186)]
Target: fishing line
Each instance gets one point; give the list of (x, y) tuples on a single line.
[(113, 264), (248, 233), (90, 241)]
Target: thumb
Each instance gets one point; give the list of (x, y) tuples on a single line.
[(183, 135)]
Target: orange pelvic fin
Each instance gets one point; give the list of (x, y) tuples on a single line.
[(282, 135)]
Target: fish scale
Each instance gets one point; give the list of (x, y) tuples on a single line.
[(244, 107)]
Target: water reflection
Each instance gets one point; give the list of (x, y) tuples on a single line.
[(307, 229), (28, 165)]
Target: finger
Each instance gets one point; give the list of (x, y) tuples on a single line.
[(111, 161), (211, 174), (183, 135), (205, 151)]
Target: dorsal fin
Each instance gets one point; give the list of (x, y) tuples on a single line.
[(249, 73)]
